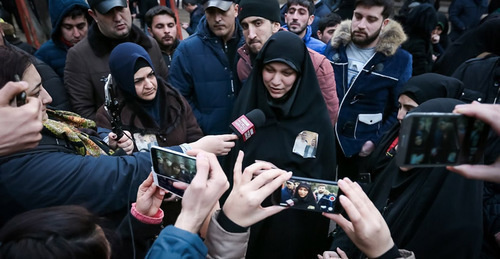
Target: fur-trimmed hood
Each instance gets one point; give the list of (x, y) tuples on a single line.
[(391, 37)]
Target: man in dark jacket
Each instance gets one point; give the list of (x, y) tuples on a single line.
[(162, 25), (87, 62), (195, 13), (370, 68), (70, 22), (204, 66)]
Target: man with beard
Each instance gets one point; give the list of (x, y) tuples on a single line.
[(87, 62), (298, 18), (162, 25), (203, 68), (370, 68)]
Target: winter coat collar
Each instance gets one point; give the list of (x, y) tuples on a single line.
[(391, 37), (102, 45)]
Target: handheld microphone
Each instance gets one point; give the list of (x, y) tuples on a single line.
[(244, 127)]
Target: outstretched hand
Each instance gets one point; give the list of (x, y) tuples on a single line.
[(243, 204), (203, 193), (220, 145), (149, 197), (367, 228)]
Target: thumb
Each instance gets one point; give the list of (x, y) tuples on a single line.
[(112, 135), (10, 90)]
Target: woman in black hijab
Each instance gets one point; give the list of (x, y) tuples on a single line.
[(296, 117), (417, 90), (430, 211), (303, 198)]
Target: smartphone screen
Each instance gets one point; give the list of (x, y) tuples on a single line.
[(440, 139), (171, 166), (308, 194)]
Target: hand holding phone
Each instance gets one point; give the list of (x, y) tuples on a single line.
[(250, 188), (440, 139), (308, 194), (170, 166), (19, 99), (367, 228)]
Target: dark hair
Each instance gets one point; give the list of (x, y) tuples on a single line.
[(54, 232), (191, 2), (13, 63), (306, 3), (388, 5), (158, 10), (77, 11), (330, 20)]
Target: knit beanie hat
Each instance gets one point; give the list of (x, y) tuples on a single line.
[(269, 9)]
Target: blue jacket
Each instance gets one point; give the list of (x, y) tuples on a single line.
[(53, 177), (53, 52), (311, 42), (369, 107), (177, 243), (201, 71)]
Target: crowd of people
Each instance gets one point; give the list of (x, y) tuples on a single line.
[(334, 84)]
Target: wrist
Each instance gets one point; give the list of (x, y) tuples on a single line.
[(155, 219), (188, 223), (227, 224)]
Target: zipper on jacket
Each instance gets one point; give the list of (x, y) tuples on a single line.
[(345, 95)]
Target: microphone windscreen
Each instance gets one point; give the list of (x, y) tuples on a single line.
[(257, 117)]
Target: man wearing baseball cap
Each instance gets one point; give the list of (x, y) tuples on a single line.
[(204, 66), (87, 62)]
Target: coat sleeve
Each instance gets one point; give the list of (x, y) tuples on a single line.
[(78, 84), (223, 244), (177, 243), (326, 80), (101, 184)]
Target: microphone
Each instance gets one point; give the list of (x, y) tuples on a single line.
[(244, 127)]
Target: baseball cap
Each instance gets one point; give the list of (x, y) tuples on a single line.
[(221, 4), (103, 7)]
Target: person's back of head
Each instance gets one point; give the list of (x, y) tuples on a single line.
[(54, 232), (388, 6), (158, 10)]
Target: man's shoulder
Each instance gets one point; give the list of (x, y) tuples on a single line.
[(82, 46)]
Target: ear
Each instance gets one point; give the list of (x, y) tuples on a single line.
[(286, 18), (318, 32), (276, 27), (310, 20), (385, 22), (236, 7), (149, 31), (91, 13)]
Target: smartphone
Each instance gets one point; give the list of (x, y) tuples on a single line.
[(170, 166), (308, 194), (440, 139), (20, 98)]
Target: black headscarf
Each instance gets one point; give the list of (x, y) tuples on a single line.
[(300, 110), (304, 202), (430, 211), (419, 88)]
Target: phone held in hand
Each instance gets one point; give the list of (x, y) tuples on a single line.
[(20, 98), (440, 139), (170, 166), (308, 194)]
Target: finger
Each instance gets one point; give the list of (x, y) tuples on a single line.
[(237, 168), (254, 169), (193, 152), (356, 197), (341, 253), (271, 210), (216, 174), (351, 211), (112, 135), (11, 89), (481, 172), (228, 137), (181, 185), (267, 182)]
